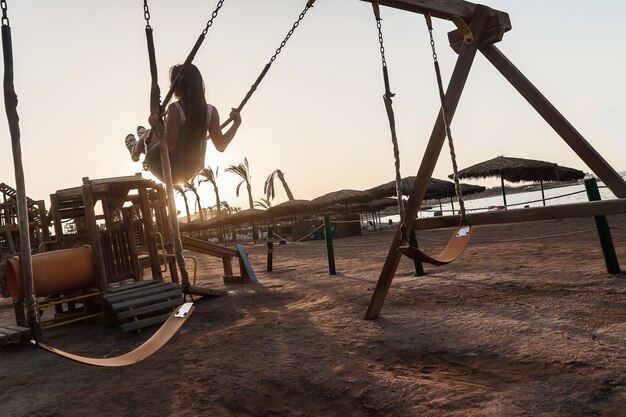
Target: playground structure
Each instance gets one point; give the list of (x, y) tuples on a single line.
[(9, 233), (478, 29), (117, 266)]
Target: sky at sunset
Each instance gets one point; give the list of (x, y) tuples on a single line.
[(82, 79)]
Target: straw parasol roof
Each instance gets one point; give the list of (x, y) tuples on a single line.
[(243, 216), (342, 197), (378, 205), (436, 188), (290, 207), (519, 169), (202, 224)]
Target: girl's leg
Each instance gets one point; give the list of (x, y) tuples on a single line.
[(137, 147)]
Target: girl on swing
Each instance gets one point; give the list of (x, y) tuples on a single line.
[(187, 123)]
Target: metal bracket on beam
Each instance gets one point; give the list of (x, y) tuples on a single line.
[(462, 27), (497, 26)]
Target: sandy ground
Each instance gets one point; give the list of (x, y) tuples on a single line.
[(531, 327)]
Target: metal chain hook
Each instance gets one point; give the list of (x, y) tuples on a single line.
[(5, 19)]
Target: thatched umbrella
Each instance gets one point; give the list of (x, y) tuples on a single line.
[(380, 204), (290, 207), (520, 169), (243, 216), (343, 197), (436, 189), (202, 224)]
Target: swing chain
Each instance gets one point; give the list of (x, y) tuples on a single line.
[(5, 19), (387, 98), (446, 121), (380, 40), (146, 14), (293, 28), (213, 16)]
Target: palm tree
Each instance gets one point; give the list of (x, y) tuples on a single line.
[(182, 191), (243, 170), (269, 189), (190, 186), (229, 210), (263, 203), (207, 175)]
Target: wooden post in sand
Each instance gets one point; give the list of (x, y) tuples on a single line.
[(329, 245), (10, 104), (604, 233), (270, 248)]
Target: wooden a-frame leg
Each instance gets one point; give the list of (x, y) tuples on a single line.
[(555, 119), (429, 160)]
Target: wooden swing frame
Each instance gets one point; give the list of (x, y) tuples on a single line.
[(488, 27)]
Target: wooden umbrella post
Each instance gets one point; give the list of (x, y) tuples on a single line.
[(543, 195), (270, 248), (329, 246), (10, 102), (503, 191)]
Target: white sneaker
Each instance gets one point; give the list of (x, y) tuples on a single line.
[(130, 142)]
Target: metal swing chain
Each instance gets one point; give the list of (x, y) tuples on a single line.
[(309, 4), (446, 123), (146, 14), (213, 16), (387, 97), (5, 18), (267, 67)]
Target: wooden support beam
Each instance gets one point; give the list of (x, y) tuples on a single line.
[(530, 214), (76, 192), (207, 248), (94, 236), (497, 26), (146, 217), (570, 135), (429, 160), (443, 9)]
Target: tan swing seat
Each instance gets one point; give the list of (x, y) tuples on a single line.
[(455, 247), (156, 342)]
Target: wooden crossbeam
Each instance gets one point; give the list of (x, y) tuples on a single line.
[(443, 9), (530, 214)]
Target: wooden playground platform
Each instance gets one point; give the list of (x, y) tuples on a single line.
[(124, 222)]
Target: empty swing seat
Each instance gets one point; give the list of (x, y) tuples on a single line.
[(455, 247)]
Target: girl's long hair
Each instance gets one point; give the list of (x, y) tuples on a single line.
[(190, 89)]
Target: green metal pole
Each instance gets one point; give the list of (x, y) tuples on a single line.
[(270, 248), (329, 245), (419, 268), (604, 233)]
